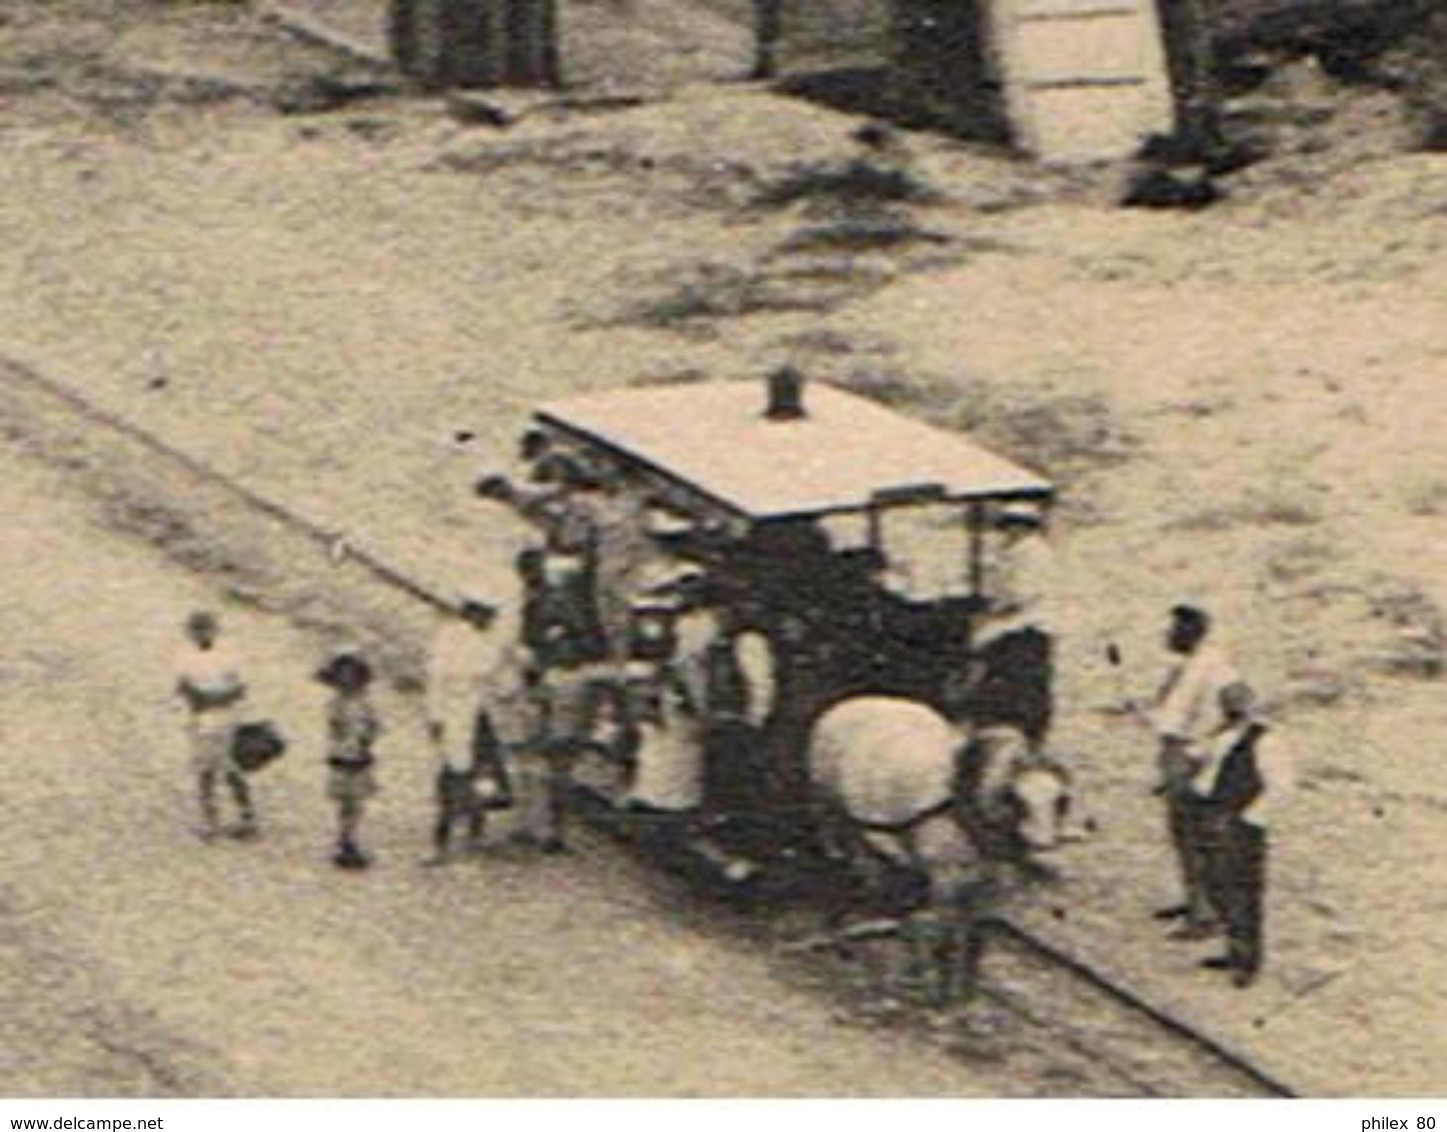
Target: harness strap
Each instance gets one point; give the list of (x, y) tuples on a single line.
[(904, 834), (909, 825)]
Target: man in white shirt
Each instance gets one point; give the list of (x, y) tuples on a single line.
[(1244, 774), (1186, 711), (476, 704), (210, 684)]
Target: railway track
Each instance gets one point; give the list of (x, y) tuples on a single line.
[(1130, 1046), (1150, 1051), (83, 409), (1097, 1030)]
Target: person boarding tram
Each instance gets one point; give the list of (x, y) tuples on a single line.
[(475, 692)]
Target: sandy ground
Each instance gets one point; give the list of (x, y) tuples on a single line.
[(353, 311)]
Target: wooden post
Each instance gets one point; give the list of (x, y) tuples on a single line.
[(975, 519)]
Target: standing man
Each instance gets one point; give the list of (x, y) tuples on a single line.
[(1186, 711), (738, 702), (559, 620), (564, 638), (620, 553), (1244, 774), (569, 704), (210, 683), (474, 677)]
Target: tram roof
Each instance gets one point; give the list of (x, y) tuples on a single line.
[(847, 453)]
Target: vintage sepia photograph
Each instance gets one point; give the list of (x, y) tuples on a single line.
[(642, 549)]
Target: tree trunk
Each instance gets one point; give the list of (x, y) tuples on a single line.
[(477, 55), (402, 35), (475, 43), (768, 30), (532, 35), (1190, 58)]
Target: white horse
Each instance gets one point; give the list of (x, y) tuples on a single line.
[(898, 784)]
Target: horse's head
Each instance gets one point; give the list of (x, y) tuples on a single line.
[(1014, 801), (1041, 788)]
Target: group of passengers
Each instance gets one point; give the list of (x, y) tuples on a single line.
[(613, 649), (641, 657), (619, 651)]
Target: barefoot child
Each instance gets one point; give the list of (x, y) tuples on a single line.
[(352, 727), (211, 685)]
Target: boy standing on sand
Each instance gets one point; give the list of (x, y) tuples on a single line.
[(210, 683), (352, 729)]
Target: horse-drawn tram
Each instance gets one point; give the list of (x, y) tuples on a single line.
[(777, 592)]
